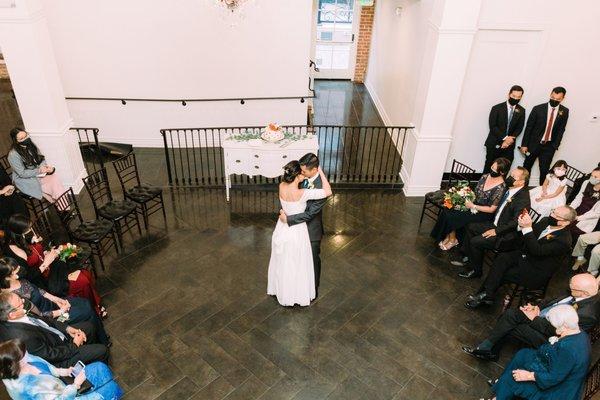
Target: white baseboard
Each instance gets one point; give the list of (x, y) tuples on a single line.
[(378, 104)]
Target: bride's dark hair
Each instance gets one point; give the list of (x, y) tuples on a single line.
[(290, 171)]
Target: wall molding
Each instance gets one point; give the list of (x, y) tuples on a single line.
[(378, 103)]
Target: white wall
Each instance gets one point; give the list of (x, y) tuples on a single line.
[(180, 49), (538, 44)]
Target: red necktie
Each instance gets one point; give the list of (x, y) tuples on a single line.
[(549, 127)]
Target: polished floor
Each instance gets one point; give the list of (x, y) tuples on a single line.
[(344, 103)]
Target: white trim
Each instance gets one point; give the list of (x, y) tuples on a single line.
[(18, 16), (512, 26), (47, 132), (450, 31), (418, 190), (77, 186), (378, 104)]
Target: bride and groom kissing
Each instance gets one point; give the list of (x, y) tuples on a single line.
[(295, 265)]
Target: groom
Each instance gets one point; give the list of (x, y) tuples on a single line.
[(309, 163)]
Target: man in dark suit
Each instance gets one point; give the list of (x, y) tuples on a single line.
[(529, 324), (312, 215), (544, 131), (506, 123), (501, 233), (55, 342), (545, 246)]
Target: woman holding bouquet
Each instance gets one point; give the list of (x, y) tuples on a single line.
[(488, 194)]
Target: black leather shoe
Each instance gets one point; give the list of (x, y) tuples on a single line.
[(491, 382), (459, 261), (479, 299), (469, 274), (485, 355)]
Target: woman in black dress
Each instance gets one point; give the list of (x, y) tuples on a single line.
[(488, 193)]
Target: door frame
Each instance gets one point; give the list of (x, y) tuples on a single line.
[(332, 73)]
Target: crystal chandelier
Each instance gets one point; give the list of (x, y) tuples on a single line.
[(232, 5), (232, 11)]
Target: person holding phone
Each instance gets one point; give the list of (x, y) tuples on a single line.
[(26, 376)]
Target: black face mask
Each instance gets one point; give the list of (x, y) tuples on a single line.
[(28, 237), (552, 221), (554, 103), (494, 174), (513, 102), (509, 181), (26, 143)]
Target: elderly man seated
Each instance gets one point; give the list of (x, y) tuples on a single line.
[(530, 325), (545, 246)]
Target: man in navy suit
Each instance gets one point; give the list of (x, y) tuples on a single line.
[(506, 123), (544, 131)]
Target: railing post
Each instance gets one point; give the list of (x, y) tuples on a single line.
[(98, 150), (167, 159)]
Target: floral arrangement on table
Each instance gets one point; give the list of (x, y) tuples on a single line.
[(456, 197), (291, 134), (67, 251)]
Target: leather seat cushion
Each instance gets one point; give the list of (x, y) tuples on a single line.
[(436, 197), (143, 193), (92, 231), (116, 209)]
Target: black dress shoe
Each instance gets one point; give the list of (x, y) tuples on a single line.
[(491, 382), (470, 274), (479, 299), (485, 355)]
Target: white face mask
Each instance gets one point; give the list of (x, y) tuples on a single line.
[(594, 181), (559, 172)]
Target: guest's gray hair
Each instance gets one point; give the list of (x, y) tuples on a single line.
[(5, 307), (563, 315)]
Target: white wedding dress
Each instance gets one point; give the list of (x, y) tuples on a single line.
[(291, 271)]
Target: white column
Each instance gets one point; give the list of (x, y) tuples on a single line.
[(27, 49), (452, 27)]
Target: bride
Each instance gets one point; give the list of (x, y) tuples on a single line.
[(291, 272)]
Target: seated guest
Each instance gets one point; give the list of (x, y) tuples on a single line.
[(55, 342), (587, 239), (488, 192), (501, 233), (530, 324), (587, 205), (45, 269), (29, 377), (577, 186), (75, 309), (10, 202), (545, 244), (552, 193), (31, 174), (555, 371)]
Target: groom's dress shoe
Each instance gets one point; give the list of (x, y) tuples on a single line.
[(469, 274), (485, 355), (479, 299)]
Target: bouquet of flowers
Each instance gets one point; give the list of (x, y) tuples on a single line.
[(67, 251), (458, 195)]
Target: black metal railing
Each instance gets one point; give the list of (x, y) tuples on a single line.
[(350, 155), (90, 148)]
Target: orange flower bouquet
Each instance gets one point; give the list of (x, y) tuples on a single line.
[(456, 197), (67, 251)]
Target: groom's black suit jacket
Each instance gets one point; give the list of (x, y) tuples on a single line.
[(312, 215)]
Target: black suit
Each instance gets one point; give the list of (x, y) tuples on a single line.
[(313, 217), (534, 263), (12, 204), (49, 346), (534, 134), (514, 323), (498, 121), (507, 238)]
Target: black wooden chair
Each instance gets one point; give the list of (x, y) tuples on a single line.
[(572, 175), (434, 200), (148, 198), (99, 234), (35, 206), (122, 213)]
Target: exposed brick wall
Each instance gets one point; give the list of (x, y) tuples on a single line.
[(367, 15)]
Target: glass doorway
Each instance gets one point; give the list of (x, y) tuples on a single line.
[(336, 34)]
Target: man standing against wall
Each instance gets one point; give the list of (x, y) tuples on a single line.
[(506, 123), (544, 131)]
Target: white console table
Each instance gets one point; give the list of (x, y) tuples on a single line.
[(257, 157)]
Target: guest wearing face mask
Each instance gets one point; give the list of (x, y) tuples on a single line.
[(506, 123), (552, 193), (544, 131), (31, 174), (587, 205)]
